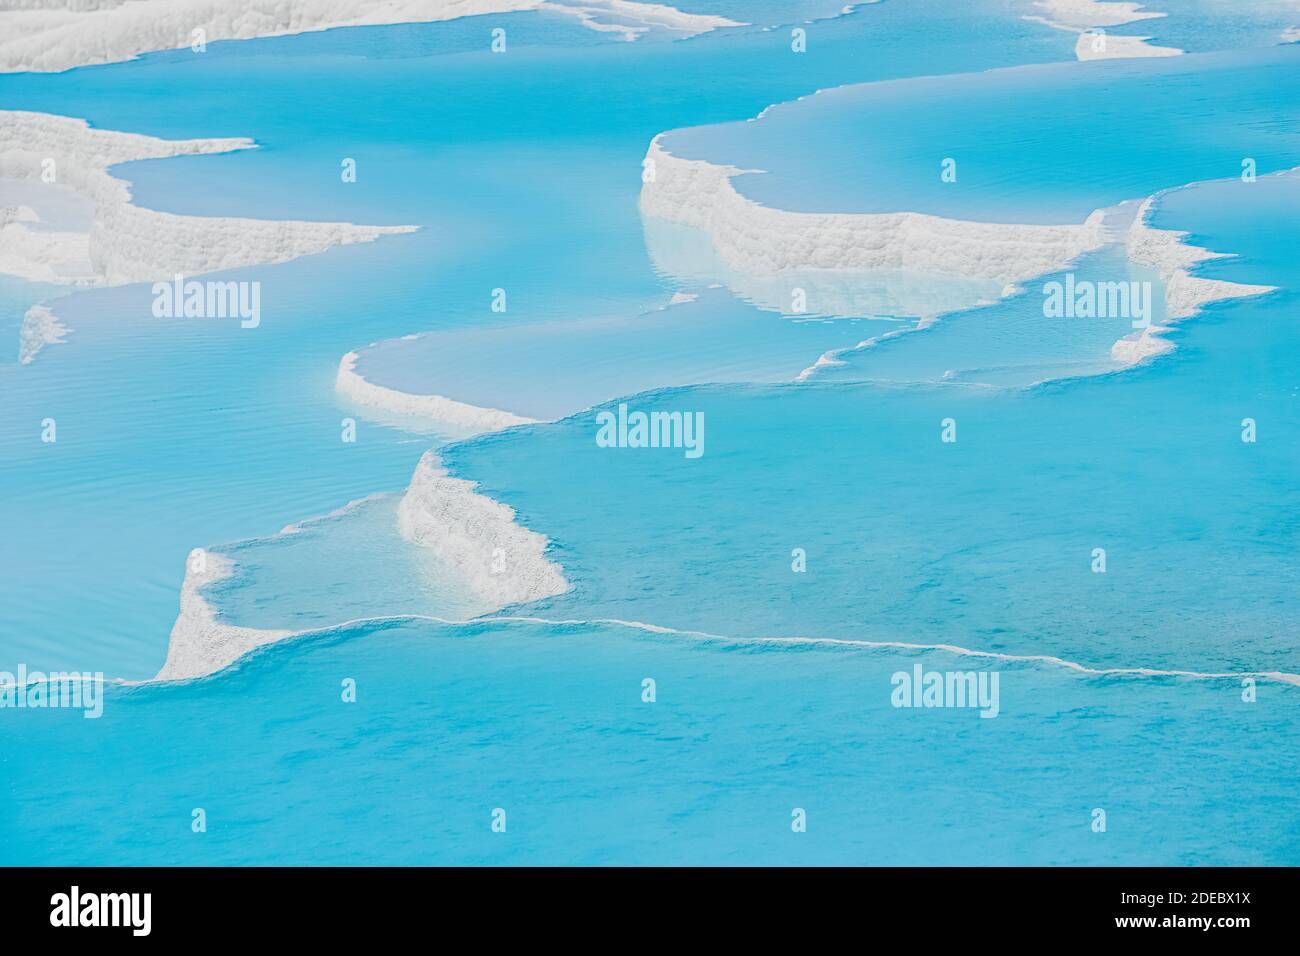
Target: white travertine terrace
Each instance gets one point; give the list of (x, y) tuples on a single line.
[(52, 35), (1185, 294), (469, 535), (200, 644), (504, 563), (432, 408), (1089, 17), (759, 240), (125, 243)]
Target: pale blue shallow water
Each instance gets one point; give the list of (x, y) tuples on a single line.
[(1009, 342), (1131, 127), (1200, 25), (190, 435)]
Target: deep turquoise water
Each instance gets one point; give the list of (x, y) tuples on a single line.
[(548, 724), (523, 172)]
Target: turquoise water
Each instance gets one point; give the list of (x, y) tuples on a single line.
[(1200, 25), (909, 539), (549, 370), (16, 296), (1009, 342), (523, 172), (203, 434), (547, 723), (349, 565), (1131, 127)]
